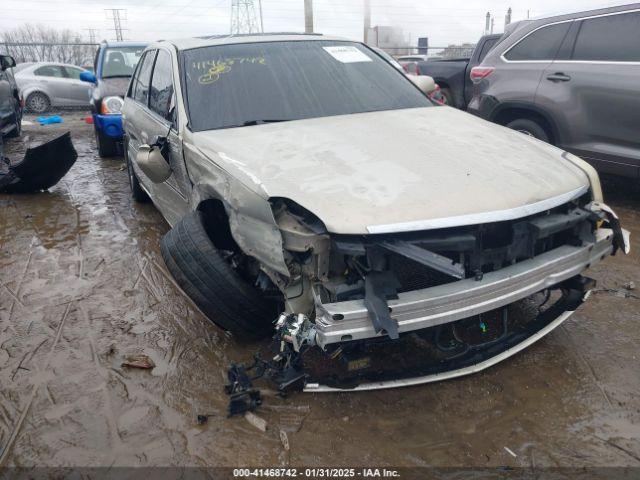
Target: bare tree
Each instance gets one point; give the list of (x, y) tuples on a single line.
[(39, 43)]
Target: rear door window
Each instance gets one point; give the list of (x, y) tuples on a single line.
[(73, 72), (613, 38), (161, 91), (542, 44), (49, 71), (141, 92)]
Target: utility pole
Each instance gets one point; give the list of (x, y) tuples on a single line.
[(308, 16), (487, 23), (493, 21), (244, 18), (367, 20), (117, 20), (92, 34), (507, 18)]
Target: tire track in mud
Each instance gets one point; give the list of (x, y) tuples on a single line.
[(6, 449)]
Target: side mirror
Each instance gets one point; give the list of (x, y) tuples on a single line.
[(7, 61), (88, 77), (425, 83), (152, 163)]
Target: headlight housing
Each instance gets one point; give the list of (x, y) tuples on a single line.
[(594, 179), (111, 105)]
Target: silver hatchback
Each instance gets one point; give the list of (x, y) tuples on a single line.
[(45, 85)]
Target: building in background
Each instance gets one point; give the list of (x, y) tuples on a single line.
[(423, 45), (389, 38)]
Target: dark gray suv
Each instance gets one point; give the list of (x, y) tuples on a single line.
[(570, 80)]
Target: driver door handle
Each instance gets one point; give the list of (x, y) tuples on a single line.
[(558, 77)]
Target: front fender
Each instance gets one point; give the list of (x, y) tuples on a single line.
[(251, 219)]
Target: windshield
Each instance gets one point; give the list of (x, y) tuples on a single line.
[(120, 61), (252, 83)]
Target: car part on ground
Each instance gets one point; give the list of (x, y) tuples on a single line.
[(42, 167)]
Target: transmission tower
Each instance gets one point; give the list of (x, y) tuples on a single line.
[(114, 14), (245, 18), (92, 34)]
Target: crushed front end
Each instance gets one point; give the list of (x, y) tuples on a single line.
[(395, 309)]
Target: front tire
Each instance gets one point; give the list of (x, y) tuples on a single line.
[(529, 127), (107, 147), (38, 102), (214, 286)]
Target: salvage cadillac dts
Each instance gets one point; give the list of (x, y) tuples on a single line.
[(317, 195)]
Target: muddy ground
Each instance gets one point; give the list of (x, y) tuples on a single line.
[(83, 285)]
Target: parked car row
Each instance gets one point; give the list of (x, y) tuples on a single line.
[(569, 80)]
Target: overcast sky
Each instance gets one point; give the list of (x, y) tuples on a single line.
[(444, 22)]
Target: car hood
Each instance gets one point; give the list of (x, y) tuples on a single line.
[(116, 86), (397, 170)]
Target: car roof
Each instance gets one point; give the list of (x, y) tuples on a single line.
[(124, 44), (42, 64), (582, 13), (214, 40)]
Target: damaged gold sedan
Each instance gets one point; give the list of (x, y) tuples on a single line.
[(316, 194)]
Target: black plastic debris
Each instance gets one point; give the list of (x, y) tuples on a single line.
[(243, 397), (42, 167), (284, 372)]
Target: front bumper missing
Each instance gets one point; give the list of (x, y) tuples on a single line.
[(420, 309)]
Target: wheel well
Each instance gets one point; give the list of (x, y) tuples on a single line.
[(37, 91), (508, 115), (216, 224)]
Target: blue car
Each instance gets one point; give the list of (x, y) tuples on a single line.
[(114, 65)]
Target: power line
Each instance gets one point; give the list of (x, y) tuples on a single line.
[(92, 34), (117, 22)]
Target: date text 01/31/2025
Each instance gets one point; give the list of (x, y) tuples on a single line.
[(315, 473)]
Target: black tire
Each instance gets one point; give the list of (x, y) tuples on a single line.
[(107, 147), (529, 127), (215, 287), (38, 102), (137, 193), (448, 96)]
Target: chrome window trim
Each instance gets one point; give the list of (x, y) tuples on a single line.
[(546, 25), (479, 218), (579, 19)]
